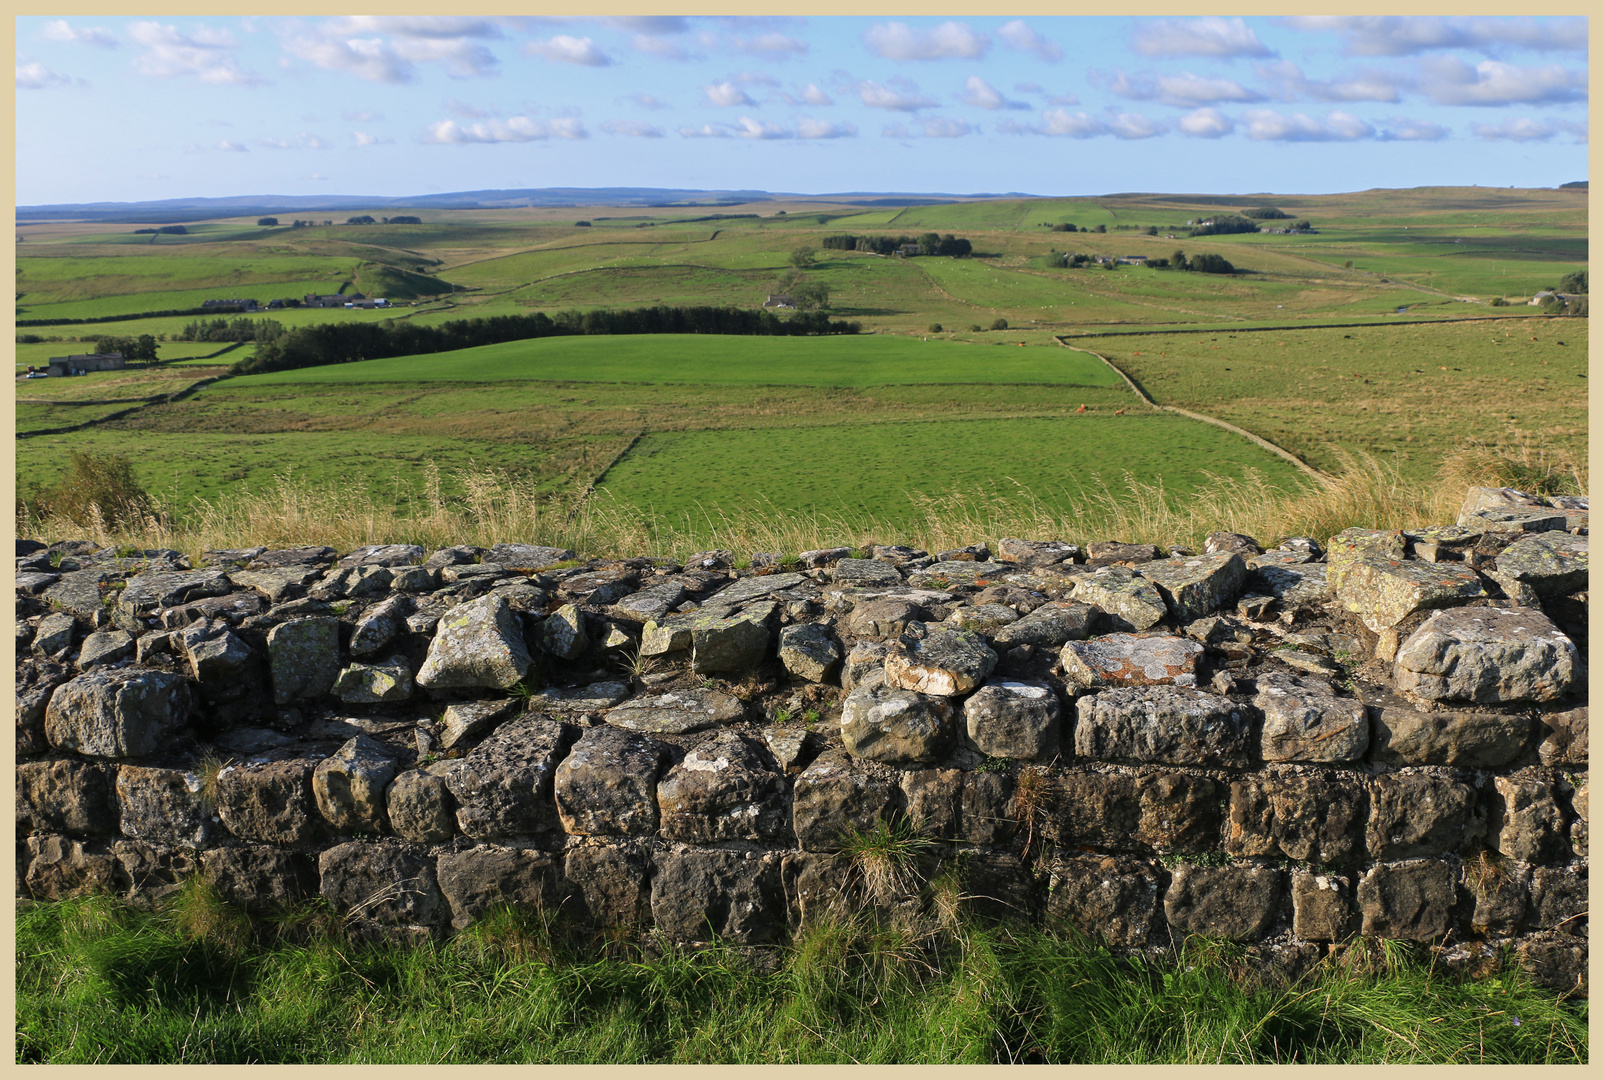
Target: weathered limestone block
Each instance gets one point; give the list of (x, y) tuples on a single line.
[(145, 593), (1564, 737), (84, 593), (1029, 553), (269, 803), (982, 619), (1296, 585), (154, 871), (988, 812), (1049, 626), (479, 880), (1321, 908), (1411, 901), (163, 806), (120, 713), (1559, 899), (1532, 827), (939, 661), (1196, 585), (950, 572), (734, 896), (1304, 720), (418, 807), (866, 573), (1352, 546), (606, 784), (1554, 962), (350, 784), (735, 643), (564, 634), (1547, 563), (1421, 813), (1013, 720), (384, 555), (652, 602), (898, 727), (600, 587), (1110, 897), (727, 788), (380, 625), (60, 867), (477, 644), (833, 798), (1501, 898), (1487, 655), (467, 719), (1317, 818), (105, 647), (1127, 600), (503, 787), (882, 619), (1382, 592), (809, 652), (1160, 811), (1223, 901), (591, 698), (65, 796), (1400, 734), (527, 556), (371, 684), (1163, 724), (380, 882), (277, 584), (1127, 660), (607, 885), (259, 879), (933, 799), (304, 655), (218, 658), (296, 556), (352, 582), (54, 634), (676, 713), (819, 886)]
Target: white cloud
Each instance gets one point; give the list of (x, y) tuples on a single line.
[(637, 128), (706, 131), (413, 26), (1018, 35), (1448, 80), (463, 58), (726, 94), (36, 76), (824, 129), (515, 129), (1060, 123), (366, 138), (1267, 125), (660, 47), (206, 55), (356, 45), (941, 127), (1396, 35), (1134, 126), (1403, 129), (1528, 129), (563, 49), (232, 147), (303, 141), (950, 40), (900, 97), (366, 58), (1288, 83), (1215, 37), (61, 30), (1205, 123), (647, 101), (754, 78), (748, 128), (1183, 91), (813, 95), (773, 46), (982, 95)]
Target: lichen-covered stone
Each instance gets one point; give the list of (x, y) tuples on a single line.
[(1409, 901), (60, 867), (1163, 724), (866, 573), (381, 883), (606, 785), (728, 895), (607, 885), (982, 619), (1107, 897), (833, 798), (155, 872), (1564, 737), (1128, 601), (1232, 902), (117, 713), (372, 684), (527, 556), (304, 656), (809, 652), (933, 801), (1321, 908), (1196, 585), (1401, 734), (939, 661), (481, 879), (105, 647), (1028, 553), (1532, 827), (1420, 813), (1160, 812), (1309, 817), (1559, 899), (163, 806), (898, 727), (989, 813), (270, 803), (1547, 563), (147, 592), (884, 618), (727, 788), (676, 713), (1128, 660), (1305, 720), (53, 636), (65, 796), (1487, 655), (418, 807), (467, 719), (1013, 720), (1299, 584), (590, 698), (219, 659), (503, 787), (564, 634), (350, 784), (1383, 592), (380, 625), (476, 645)]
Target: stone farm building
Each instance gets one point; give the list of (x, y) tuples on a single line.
[(78, 363), (317, 300)]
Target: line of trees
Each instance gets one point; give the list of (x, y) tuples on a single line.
[(175, 230), (1226, 223), (142, 347), (342, 342), (929, 244), (232, 330)]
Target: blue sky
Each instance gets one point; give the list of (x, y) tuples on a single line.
[(121, 108)]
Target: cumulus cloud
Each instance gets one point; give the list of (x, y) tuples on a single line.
[(516, 129), (1288, 83), (337, 45), (1216, 37), (439, 27), (1134, 126), (1019, 35), (660, 47), (366, 58), (233, 147), (824, 129), (813, 95), (706, 131), (748, 128), (726, 94), (950, 40), (463, 58), (636, 128), (1184, 90), (61, 30), (982, 95), (303, 141), (1058, 122), (36, 76), (1206, 123), (647, 101), (1267, 125), (366, 138), (1404, 129), (564, 49), (1528, 129), (773, 46), (899, 96), (205, 55), (1397, 35), (1448, 80)]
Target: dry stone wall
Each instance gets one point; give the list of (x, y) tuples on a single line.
[(1378, 733)]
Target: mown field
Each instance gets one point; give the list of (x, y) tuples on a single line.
[(804, 422)]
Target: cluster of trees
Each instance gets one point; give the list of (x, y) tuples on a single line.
[(1069, 226), (340, 342), (175, 230), (142, 347), (1201, 264), (1226, 223), (232, 330), (929, 244), (1265, 213)]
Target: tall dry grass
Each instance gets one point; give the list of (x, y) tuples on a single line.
[(496, 507)]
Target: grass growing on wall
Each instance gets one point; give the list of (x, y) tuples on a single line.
[(99, 982)]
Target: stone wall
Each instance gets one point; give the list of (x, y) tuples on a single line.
[(1381, 734)]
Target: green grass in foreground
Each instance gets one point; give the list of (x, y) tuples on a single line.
[(98, 982)]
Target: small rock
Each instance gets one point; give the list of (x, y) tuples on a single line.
[(370, 684), (809, 652), (476, 645), (349, 785), (938, 661), (676, 713), (1304, 720), (1128, 601)]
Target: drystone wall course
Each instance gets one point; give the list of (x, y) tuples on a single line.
[(1138, 746)]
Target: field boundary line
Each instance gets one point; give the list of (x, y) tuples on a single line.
[(1285, 328), (590, 488), (1216, 421), (160, 399)]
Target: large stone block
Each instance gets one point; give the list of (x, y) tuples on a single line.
[(1487, 655), (989, 816), (1547, 563), (1559, 899), (1411, 901), (258, 879), (503, 787), (374, 684), (1159, 812), (1532, 826), (418, 807), (1127, 600), (154, 871), (834, 798), (1109, 897), (350, 784), (1321, 907), (809, 652), (1127, 660), (1050, 626), (380, 625), (60, 867), (678, 712), (1419, 813), (163, 806), (897, 727), (727, 788), (1014, 720), (382, 883), (121, 713), (933, 801), (1195, 585), (606, 785), (1164, 724), (1309, 817), (65, 796), (479, 644), (270, 803), (1383, 591), (607, 884), (1223, 901), (304, 656), (1305, 720), (483, 878), (1401, 734), (564, 634), (937, 660), (726, 895), (1564, 737)]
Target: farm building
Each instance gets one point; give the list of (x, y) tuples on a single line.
[(1548, 294), (778, 300), (317, 300), (359, 302), (78, 363)]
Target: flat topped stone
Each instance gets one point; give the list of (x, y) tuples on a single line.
[(1550, 563), (677, 712), (1106, 552), (897, 727), (1196, 585), (385, 555), (1049, 626), (1166, 724), (592, 698), (527, 556), (1028, 553), (1305, 720), (1383, 591), (1487, 655), (1128, 600), (958, 572), (477, 644), (866, 572), (297, 556), (1129, 660), (146, 592), (938, 660), (748, 589), (1290, 582)]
